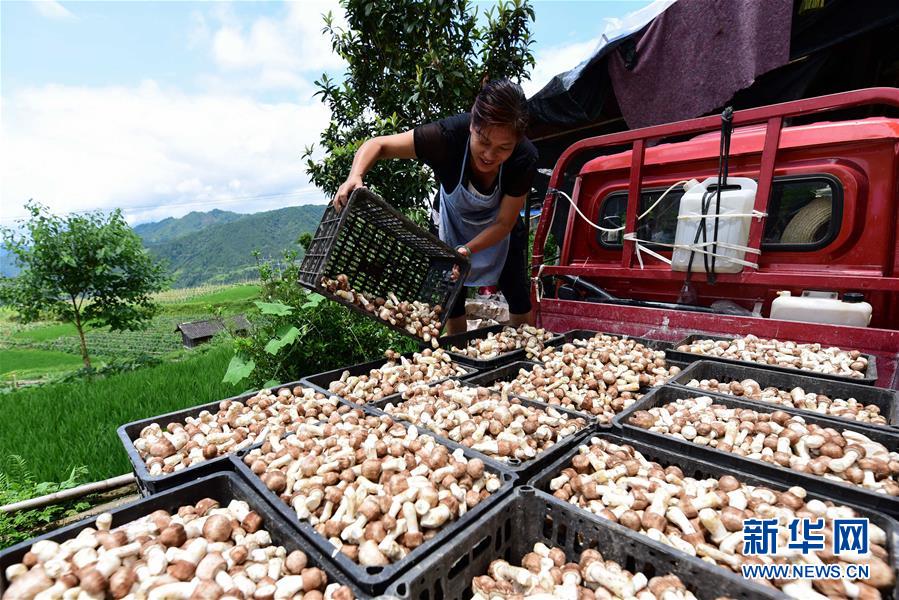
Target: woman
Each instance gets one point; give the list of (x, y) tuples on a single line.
[(485, 166)]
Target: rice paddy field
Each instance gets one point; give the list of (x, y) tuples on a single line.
[(42, 351), (57, 426)]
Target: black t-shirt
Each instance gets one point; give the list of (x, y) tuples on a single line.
[(441, 146)]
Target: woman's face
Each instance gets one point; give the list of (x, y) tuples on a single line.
[(491, 146)]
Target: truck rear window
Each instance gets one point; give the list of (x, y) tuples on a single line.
[(804, 214)]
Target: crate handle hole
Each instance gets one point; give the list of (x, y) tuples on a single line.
[(373, 570)]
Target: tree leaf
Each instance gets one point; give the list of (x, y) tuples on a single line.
[(287, 335), (313, 301), (271, 383), (238, 370), (273, 308)]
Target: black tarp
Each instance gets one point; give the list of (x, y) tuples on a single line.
[(835, 45)]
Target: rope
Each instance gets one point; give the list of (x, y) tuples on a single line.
[(697, 248), (617, 229)]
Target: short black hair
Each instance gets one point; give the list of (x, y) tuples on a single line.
[(500, 102)]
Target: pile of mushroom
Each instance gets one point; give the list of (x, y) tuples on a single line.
[(600, 375), (235, 426), (545, 572), (704, 517), (793, 355), (201, 551), (779, 438), (502, 428), (397, 375), (797, 397), (375, 489), (508, 340), (418, 318)]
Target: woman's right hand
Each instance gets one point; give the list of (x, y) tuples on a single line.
[(346, 188)]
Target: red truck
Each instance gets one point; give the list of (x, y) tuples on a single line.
[(846, 169)]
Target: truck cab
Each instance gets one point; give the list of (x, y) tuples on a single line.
[(825, 220)]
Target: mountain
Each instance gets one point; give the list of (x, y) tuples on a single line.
[(8, 266), (173, 228), (223, 252)]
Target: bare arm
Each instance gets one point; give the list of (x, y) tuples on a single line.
[(505, 221), (399, 145)]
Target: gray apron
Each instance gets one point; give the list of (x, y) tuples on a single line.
[(463, 215)]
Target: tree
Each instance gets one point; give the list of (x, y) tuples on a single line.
[(84, 269), (408, 63)]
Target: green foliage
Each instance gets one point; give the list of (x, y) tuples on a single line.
[(296, 333), (409, 63), (61, 424), (84, 269), (18, 484), (222, 252)]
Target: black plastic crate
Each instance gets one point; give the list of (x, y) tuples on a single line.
[(223, 487), (374, 580), (522, 470), (382, 251), (819, 485), (510, 530), (886, 400), (509, 372), (151, 484), (699, 468), (321, 381), (503, 373), (870, 377), (585, 334), (461, 340)]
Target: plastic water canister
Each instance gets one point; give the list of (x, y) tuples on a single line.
[(734, 219), (822, 307)]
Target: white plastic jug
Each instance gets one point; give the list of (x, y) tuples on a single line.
[(822, 307), (733, 230)]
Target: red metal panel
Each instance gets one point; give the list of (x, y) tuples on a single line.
[(673, 325), (769, 158), (633, 202)]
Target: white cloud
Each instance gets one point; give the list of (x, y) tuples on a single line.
[(52, 9), (277, 53), (557, 59), (152, 151)]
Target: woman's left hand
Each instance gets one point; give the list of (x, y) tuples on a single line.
[(464, 251)]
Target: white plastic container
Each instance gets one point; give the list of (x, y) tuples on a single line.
[(822, 307), (731, 229)]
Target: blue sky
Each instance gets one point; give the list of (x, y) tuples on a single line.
[(161, 108)]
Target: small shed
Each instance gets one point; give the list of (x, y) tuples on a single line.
[(195, 333)]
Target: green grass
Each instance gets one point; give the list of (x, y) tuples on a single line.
[(56, 427), (46, 333), (26, 362), (238, 293)]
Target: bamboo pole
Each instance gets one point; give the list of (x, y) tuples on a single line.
[(76, 492)]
